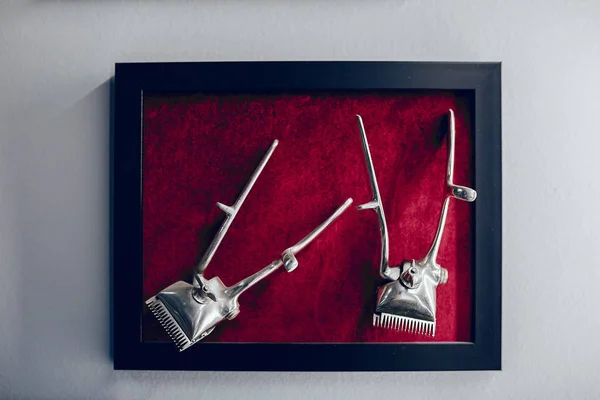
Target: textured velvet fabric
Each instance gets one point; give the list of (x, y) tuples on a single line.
[(198, 150)]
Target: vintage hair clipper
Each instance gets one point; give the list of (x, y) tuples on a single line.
[(408, 302), (190, 312)]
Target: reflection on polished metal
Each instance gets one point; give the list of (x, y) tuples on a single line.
[(190, 312), (408, 302), (384, 267), (231, 211), (459, 192)]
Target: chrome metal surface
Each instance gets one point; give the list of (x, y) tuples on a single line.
[(231, 211), (459, 192), (385, 270), (311, 236), (190, 312), (409, 302)]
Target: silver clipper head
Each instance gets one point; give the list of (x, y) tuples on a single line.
[(408, 302), (190, 312)]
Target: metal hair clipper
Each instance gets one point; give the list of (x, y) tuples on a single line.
[(408, 302), (190, 312)]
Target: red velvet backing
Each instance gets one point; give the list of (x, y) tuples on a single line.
[(202, 149)]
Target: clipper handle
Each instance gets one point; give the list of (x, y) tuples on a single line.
[(231, 211), (288, 257), (311, 236), (385, 271), (458, 192)]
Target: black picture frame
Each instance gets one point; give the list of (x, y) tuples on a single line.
[(132, 80)]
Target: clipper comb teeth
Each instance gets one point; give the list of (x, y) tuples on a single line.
[(168, 323), (407, 324), (190, 312), (408, 301)]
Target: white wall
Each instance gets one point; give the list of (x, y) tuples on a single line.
[(55, 60)]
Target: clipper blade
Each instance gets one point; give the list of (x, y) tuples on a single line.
[(168, 323), (406, 324), (186, 320)]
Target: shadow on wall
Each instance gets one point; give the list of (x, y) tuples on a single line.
[(60, 161)]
